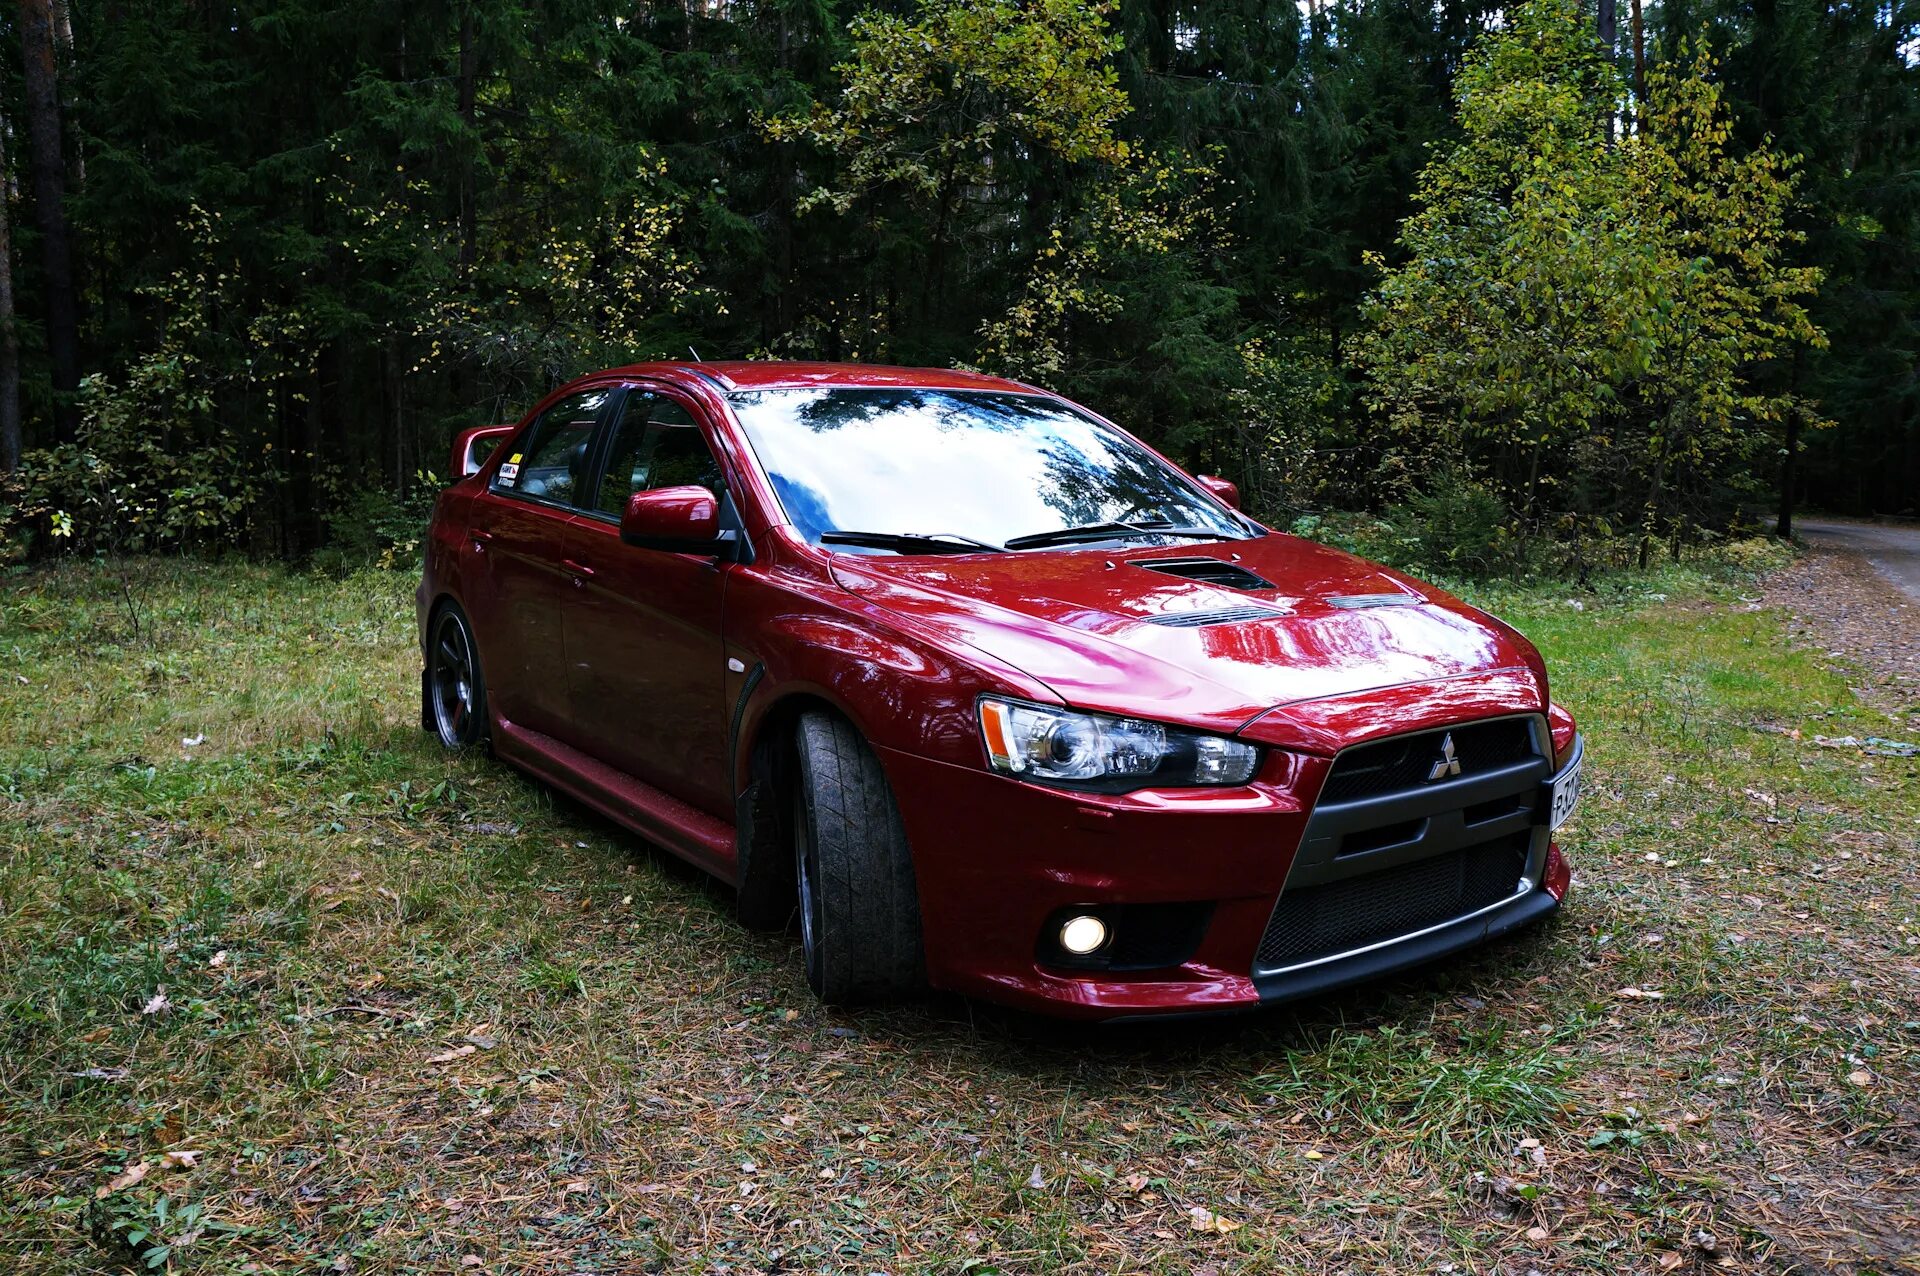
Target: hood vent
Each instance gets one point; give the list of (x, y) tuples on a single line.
[(1360, 602), (1217, 616), (1208, 571)]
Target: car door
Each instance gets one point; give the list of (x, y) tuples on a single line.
[(518, 529), (644, 657)]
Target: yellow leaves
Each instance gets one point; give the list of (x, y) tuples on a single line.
[(1201, 1219), (925, 100)]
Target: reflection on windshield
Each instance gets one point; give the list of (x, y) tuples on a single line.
[(984, 465)]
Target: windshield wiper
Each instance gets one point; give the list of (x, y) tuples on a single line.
[(911, 542), (1106, 531)]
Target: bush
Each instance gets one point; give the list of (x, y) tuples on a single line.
[(142, 475), (375, 528)]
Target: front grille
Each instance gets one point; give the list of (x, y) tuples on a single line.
[(1320, 921), (1404, 762)]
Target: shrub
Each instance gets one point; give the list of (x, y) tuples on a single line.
[(375, 528), (1456, 529), (149, 470)]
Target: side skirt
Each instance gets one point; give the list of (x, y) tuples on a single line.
[(691, 834)]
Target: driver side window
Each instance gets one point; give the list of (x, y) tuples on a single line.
[(656, 444)]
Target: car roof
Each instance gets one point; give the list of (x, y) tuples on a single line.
[(772, 374)]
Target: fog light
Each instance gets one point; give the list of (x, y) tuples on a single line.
[(1082, 935)]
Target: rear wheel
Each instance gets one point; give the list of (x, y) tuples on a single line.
[(456, 696), (859, 908)]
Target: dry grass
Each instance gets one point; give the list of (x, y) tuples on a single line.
[(423, 1016)]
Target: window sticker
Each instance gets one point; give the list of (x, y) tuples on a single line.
[(509, 471)]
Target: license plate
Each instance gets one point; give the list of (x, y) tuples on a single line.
[(1566, 793)]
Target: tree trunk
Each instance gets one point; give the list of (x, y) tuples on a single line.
[(1784, 527), (10, 441), (63, 47), (1607, 28), (50, 207), (1656, 498), (1639, 70), (469, 77)]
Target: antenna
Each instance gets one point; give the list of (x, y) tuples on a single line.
[(694, 353)]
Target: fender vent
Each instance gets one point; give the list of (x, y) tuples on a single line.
[(1218, 616), (1208, 571)]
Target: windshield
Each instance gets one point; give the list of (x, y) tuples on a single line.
[(961, 466)]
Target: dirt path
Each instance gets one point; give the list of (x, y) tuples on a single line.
[(1895, 550), (1857, 594)]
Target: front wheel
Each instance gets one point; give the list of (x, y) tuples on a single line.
[(859, 907), (456, 696)]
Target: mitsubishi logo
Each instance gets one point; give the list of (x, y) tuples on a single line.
[(1447, 764)]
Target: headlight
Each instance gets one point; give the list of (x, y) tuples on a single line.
[(1108, 755)]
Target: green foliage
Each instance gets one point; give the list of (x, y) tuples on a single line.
[(927, 102), (311, 248), (1287, 421), (1582, 314), (139, 477), (375, 528)]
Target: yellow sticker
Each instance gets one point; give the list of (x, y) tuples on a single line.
[(514, 459)]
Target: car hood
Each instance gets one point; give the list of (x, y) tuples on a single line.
[(1315, 649)]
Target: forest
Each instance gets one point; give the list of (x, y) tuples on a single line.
[(1559, 282)]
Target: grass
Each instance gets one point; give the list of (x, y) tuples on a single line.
[(415, 1013)]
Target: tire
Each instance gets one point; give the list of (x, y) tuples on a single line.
[(859, 909), (456, 694)]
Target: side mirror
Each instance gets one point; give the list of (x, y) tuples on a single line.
[(471, 448), (1229, 493), (680, 520)]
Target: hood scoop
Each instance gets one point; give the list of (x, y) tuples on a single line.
[(1217, 616), (1207, 571)]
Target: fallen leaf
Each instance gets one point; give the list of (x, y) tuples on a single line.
[(1642, 994), (157, 1004), (1537, 1234), (458, 1052), (125, 1179), (1313, 1155), (1860, 1077), (472, 1260), (1202, 1219), (1036, 1179), (181, 1160), (1669, 1261), (218, 960)]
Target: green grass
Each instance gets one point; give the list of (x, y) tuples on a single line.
[(420, 1009)]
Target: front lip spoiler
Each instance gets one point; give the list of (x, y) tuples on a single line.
[(1384, 959)]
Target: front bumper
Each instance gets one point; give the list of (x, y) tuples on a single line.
[(998, 859)]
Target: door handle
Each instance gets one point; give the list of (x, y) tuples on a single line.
[(479, 536), (580, 570)]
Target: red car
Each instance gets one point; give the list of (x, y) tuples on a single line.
[(989, 693)]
